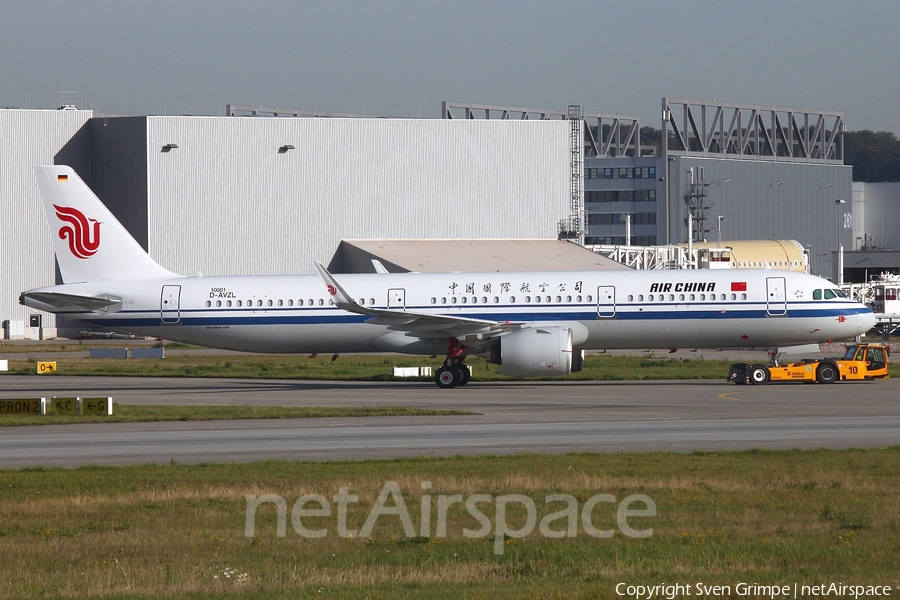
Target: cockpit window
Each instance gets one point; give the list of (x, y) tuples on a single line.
[(829, 294)]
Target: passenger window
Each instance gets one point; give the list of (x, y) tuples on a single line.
[(630, 298), (681, 297), (228, 303), (321, 302), (453, 300), (218, 303), (444, 300), (512, 299), (280, 302)]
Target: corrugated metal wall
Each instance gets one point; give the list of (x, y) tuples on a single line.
[(28, 138), (876, 211), (768, 200), (227, 201)]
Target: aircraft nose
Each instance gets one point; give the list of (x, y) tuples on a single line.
[(865, 321)]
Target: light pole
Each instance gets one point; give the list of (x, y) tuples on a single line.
[(719, 240), (839, 263)]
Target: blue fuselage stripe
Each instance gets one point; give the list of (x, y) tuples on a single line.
[(633, 312)]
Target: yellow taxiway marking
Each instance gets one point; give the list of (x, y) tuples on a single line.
[(726, 395)]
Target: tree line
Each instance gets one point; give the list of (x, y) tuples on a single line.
[(875, 155)]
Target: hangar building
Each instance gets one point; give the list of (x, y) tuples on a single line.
[(720, 171), (249, 194), (245, 195), (27, 138)]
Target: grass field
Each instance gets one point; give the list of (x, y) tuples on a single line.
[(357, 367), (140, 413), (175, 531)]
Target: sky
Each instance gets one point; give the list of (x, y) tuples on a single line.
[(402, 58)]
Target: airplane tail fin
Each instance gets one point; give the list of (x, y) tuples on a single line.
[(89, 241)]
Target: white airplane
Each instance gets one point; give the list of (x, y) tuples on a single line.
[(531, 323)]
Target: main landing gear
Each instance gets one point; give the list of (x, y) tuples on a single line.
[(454, 372)]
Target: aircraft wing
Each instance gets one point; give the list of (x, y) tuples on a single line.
[(66, 302), (424, 325)]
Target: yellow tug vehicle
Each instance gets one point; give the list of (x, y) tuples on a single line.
[(860, 361)]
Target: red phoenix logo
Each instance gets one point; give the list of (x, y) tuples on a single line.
[(83, 234), (332, 290)]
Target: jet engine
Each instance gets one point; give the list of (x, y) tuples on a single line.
[(535, 352)]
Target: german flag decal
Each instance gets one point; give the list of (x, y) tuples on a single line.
[(62, 177), (738, 286)]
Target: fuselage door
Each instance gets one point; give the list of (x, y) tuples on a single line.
[(606, 301), (397, 298), (170, 304), (776, 301)]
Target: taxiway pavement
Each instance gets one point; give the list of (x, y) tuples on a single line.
[(540, 417)]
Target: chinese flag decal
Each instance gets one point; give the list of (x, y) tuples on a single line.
[(738, 286)]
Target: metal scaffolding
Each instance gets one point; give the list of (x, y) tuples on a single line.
[(701, 128)]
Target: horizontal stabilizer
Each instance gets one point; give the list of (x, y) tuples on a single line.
[(67, 302)]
